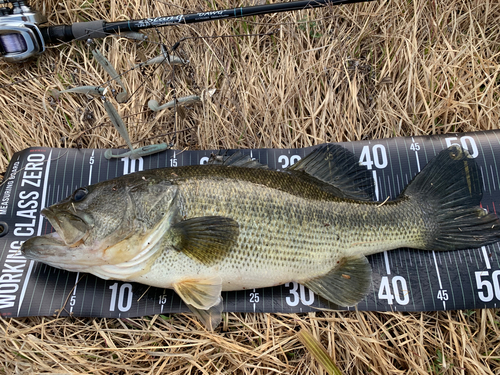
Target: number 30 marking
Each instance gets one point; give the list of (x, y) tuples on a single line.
[(299, 297)]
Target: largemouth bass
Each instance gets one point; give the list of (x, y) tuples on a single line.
[(205, 229)]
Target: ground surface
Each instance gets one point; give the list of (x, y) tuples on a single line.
[(364, 71)]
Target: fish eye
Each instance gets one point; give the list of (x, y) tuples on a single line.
[(80, 194)]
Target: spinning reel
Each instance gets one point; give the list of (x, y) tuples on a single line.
[(21, 38)]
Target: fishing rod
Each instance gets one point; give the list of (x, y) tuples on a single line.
[(21, 38)]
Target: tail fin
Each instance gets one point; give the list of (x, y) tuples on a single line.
[(449, 189)]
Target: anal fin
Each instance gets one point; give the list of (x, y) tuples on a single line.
[(346, 284)]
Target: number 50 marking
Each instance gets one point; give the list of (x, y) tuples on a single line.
[(488, 289), (467, 142)]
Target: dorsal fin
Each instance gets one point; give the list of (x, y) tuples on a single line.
[(238, 159), (338, 172)]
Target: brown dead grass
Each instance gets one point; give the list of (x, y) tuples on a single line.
[(363, 71), (360, 343)]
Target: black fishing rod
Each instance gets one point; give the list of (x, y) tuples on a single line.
[(21, 38)]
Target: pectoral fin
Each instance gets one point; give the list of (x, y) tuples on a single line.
[(206, 239), (203, 297), (346, 284)]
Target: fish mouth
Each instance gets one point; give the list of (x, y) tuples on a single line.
[(71, 229), (43, 246), (50, 249)]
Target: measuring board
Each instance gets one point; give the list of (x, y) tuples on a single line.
[(403, 280)]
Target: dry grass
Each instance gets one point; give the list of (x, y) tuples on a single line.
[(360, 343), (366, 71)]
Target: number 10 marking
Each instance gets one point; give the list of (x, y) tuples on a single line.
[(124, 295)]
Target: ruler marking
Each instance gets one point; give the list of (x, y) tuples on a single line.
[(387, 266), (486, 257), (376, 185), (74, 288), (492, 177), (482, 178), (459, 278), (410, 289), (450, 282), (439, 277), (437, 270), (56, 272), (495, 253), (493, 156), (389, 193), (90, 170)]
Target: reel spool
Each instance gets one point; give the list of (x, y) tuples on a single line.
[(20, 37)]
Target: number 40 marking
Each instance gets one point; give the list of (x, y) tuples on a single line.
[(398, 292), (376, 156)]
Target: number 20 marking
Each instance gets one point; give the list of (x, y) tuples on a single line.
[(286, 161)]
